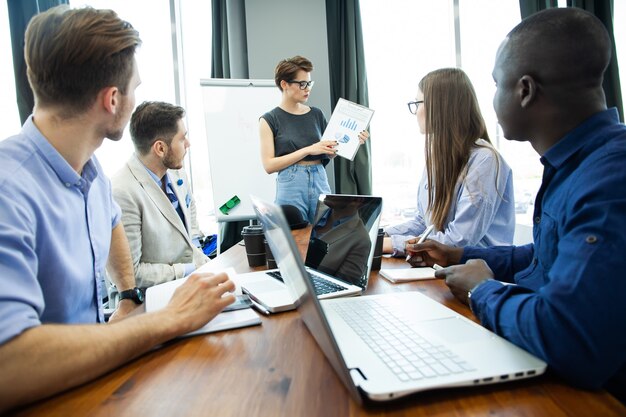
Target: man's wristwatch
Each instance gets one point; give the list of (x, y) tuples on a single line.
[(469, 294), (134, 294), (469, 299)]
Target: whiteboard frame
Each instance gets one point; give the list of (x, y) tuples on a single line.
[(244, 211)]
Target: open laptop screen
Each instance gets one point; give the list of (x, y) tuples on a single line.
[(287, 256), (343, 236)]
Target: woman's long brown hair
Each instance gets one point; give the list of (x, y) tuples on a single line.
[(453, 124)]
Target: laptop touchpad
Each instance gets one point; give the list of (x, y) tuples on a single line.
[(454, 330), (265, 285)]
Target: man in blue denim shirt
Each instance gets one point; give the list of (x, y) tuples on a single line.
[(567, 305)]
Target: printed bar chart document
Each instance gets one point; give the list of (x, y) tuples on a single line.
[(344, 126)]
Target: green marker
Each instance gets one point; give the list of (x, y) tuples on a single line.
[(227, 206)]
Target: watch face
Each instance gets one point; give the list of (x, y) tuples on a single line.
[(139, 295), (134, 294)]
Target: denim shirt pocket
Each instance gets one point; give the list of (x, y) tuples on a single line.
[(526, 275), (546, 241)]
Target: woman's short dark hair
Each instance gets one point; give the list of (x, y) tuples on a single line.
[(288, 68)]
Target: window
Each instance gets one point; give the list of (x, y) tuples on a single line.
[(8, 101), (195, 23), (154, 59), (397, 56), (420, 40), (423, 39), (619, 15), (484, 24)]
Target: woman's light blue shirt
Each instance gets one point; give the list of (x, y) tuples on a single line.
[(482, 214)]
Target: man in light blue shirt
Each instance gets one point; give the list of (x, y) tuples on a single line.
[(38, 242), (59, 225)]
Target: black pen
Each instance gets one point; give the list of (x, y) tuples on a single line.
[(259, 308)]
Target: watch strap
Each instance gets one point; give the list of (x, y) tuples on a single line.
[(133, 294)]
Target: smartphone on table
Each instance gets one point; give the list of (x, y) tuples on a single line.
[(241, 301)]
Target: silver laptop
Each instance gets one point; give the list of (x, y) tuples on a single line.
[(391, 345), (339, 255)]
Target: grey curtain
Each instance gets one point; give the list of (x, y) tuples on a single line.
[(20, 13), (348, 79), (229, 46), (229, 60), (220, 63), (603, 10), (528, 7)]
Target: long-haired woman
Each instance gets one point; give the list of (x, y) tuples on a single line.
[(466, 191)]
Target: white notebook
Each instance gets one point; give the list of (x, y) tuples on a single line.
[(158, 296), (407, 274)]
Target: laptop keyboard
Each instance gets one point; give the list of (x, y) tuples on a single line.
[(321, 285), (408, 355)]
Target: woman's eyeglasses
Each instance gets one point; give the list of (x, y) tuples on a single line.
[(414, 105), (302, 84)]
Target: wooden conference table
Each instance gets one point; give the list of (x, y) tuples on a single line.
[(277, 369)]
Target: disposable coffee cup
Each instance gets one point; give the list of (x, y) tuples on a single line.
[(269, 257), (253, 240), (378, 250)]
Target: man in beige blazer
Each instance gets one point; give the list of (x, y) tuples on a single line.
[(158, 209)]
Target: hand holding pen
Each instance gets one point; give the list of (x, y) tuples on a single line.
[(433, 253), (422, 238)]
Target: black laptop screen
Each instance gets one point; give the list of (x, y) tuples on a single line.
[(343, 236)]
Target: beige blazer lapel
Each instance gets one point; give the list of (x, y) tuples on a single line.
[(157, 196)]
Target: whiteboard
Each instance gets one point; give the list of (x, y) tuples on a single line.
[(232, 109)]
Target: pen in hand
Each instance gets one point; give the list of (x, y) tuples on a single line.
[(428, 230)]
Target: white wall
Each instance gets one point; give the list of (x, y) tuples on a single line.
[(277, 29)]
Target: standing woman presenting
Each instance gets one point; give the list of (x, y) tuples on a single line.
[(466, 191), (290, 140)]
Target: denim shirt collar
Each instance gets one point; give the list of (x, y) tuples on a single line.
[(580, 137)]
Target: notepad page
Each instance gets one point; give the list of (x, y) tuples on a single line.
[(407, 274), (158, 296)]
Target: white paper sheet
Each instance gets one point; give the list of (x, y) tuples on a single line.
[(158, 296), (345, 124)]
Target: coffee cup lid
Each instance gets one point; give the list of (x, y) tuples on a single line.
[(252, 229)]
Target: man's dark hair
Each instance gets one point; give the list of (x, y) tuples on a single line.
[(152, 121), (567, 46), (71, 54)]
